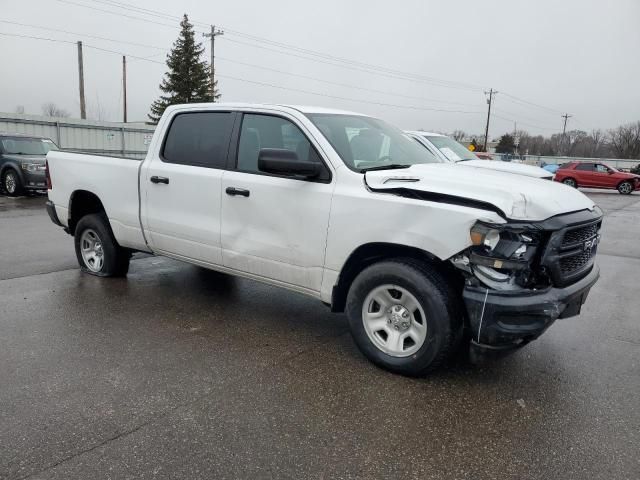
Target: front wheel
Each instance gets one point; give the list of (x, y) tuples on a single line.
[(625, 188), (403, 316), (97, 251), (570, 182), (11, 183)]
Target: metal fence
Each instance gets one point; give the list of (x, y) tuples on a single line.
[(539, 160), (104, 138)]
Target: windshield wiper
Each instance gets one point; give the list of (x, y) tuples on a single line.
[(391, 166)]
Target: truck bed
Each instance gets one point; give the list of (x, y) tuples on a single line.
[(114, 180)]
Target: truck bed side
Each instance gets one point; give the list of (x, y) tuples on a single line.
[(113, 180)]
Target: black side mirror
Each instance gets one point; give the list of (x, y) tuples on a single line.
[(280, 161)]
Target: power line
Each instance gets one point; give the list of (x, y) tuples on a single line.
[(117, 13), (339, 84), (252, 65), (296, 48), (348, 67), (323, 58), (511, 120), (349, 63), (522, 101), (164, 49), (409, 107), (83, 35), (36, 38)]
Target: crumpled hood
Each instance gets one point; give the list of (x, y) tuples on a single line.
[(25, 158), (519, 197), (517, 168)]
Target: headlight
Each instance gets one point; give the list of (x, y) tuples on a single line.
[(503, 242), (483, 235)]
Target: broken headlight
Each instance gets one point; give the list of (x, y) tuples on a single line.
[(502, 256)]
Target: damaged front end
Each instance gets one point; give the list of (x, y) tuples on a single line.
[(520, 277)]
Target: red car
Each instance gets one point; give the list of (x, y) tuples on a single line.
[(597, 175)]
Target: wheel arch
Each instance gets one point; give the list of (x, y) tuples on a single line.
[(11, 165), (370, 253), (81, 203), (628, 180)]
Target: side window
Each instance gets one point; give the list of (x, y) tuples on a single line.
[(601, 168), (199, 139), (266, 131), (585, 166)]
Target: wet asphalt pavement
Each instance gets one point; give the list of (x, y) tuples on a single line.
[(177, 372)]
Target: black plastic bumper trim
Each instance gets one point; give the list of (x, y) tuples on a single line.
[(51, 210), (509, 318)]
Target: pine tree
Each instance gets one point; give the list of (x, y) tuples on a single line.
[(506, 144), (187, 80)]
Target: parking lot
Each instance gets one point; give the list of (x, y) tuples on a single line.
[(177, 372)]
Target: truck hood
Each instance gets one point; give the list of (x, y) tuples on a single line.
[(518, 197), (25, 158), (518, 168)]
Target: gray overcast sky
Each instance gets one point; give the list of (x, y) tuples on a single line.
[(576, 56)]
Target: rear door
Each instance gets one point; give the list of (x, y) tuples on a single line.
[(585, 175), (274, 226), (181, 186)]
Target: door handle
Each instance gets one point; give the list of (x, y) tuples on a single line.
[(237, 191), (156, 179)]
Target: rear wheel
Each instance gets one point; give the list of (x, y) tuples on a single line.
[(570, 182), (11, 183), (97, 251), (403, 316), (625, 188)]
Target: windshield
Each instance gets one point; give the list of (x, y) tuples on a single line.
[(27, 146), (365, 142), (451, 149)]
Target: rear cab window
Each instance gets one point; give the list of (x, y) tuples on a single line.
[(199, 139)]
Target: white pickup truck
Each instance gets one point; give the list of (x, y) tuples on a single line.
[(424, 256)]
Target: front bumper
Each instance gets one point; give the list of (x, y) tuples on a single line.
[(502, 321)]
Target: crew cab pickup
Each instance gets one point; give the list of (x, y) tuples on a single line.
[(424, 257)]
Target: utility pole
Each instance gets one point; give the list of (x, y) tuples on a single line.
[(214, 33), (124, 88), (566, 116), (491, 93), (83, 110)]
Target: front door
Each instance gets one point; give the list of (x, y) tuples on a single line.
[(275, 227), (181, 187)]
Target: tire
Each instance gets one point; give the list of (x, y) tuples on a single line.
[(97, 251), (11, 183), (437, 309), (625, 188), (570, 182)]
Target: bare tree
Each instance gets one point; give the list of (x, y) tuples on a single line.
[(50, 109), (20, 109), (625, 140), (458, 135)]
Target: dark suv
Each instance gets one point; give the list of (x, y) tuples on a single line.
[(22, 162)]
